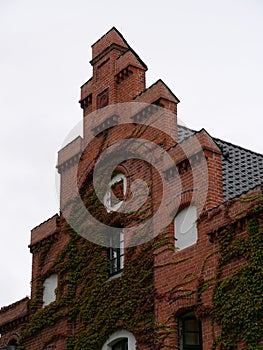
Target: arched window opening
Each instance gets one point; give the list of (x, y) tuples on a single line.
[(185, 228), (13, 342), (116, 192), (121, 345), (190, 332), (120, 340), (50, 286)]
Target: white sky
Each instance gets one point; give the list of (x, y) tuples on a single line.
[(209, 53)]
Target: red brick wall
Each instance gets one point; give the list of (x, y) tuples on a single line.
[(55, 336), (179, 273), (119, 76)]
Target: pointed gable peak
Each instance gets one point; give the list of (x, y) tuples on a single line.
[(168, 91), (156, 91), (112, 37)]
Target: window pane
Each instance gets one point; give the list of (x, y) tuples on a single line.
[(191, 339), (190, 333), (121, 345), (114, 266), (50, 286), (185, 227), (116, 252), (191, 325), (121, 262)]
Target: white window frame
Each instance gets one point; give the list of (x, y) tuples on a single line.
[(117, 336), (108, 196), (116, 254)]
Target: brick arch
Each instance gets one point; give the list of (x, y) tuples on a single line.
[(119, 335), (185, 307), (13, 340), (186, 198)]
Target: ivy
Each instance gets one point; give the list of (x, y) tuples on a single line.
[(237, 299), (98, 305)]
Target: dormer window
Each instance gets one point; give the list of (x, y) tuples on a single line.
[(50, 286), (185, 227)]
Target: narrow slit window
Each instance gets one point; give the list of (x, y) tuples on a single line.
[(116, 253), (190, 333)]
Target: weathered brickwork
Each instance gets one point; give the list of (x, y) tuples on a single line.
[(159, 283)]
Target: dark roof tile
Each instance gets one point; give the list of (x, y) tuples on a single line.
[(242, 169)]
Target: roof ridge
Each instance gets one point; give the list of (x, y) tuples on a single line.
[(52, 217), (135, 54), (116, 30), (125, 42), (236, 146), (155, 83), (186, 127), (13, 305)]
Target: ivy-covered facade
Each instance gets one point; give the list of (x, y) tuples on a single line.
[(196, 284)]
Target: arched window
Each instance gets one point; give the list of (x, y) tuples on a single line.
[(50, 286), (120, 340), (190, 332), (116, 191), (121, 344), (185, 228), (13, 342)]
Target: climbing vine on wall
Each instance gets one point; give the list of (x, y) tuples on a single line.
[(237, 300), (96, 305)]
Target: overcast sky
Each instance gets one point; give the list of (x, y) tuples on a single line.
[(209, 53)]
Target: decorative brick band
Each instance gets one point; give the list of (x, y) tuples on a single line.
[(183, 166), (144, 114), (123, 74), (50, 238), (238, 226), (106, 124), (86, 102), (108, 49), (14, 323), (69, 163)]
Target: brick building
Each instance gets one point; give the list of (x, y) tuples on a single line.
[(188, 280)]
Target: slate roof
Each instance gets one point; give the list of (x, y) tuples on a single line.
[(184, 133), (242, 169)]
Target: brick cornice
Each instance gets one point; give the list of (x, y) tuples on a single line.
[(113, 46), (69, 163)]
